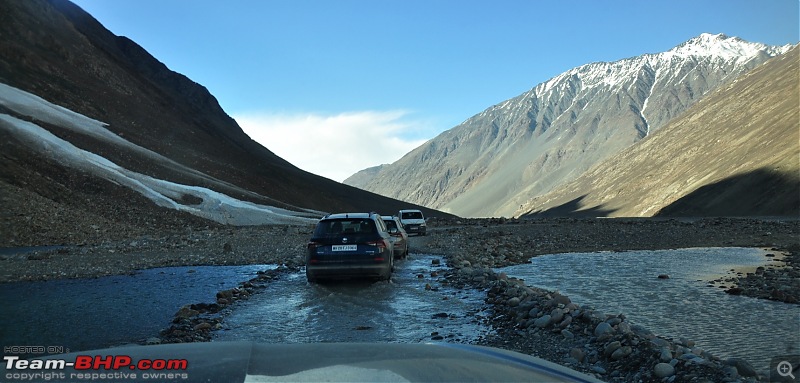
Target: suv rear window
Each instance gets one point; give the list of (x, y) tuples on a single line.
[(333, 227), (412, 215)]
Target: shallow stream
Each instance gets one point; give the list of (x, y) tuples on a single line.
[(414, 307), (400, 311), (83, 314), (684, 306)]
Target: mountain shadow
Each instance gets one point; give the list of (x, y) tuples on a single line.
[(574, 209), (762, 192)]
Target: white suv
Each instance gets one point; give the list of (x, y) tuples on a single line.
[(413, 221)]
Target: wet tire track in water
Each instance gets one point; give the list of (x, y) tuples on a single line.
[(291, 310)]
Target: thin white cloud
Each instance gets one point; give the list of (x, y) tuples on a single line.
[(333, 146)]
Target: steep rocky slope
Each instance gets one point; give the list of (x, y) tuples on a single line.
[(56, 51)]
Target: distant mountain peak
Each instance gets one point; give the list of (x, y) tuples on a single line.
[(723, 46)]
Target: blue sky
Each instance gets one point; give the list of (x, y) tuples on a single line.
[(335, 86)]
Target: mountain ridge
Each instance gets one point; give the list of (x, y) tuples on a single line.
[(736, 152), (527, 145)]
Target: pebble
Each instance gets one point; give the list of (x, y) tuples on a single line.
[(202, 326), (663, 370), (611, 347), (542, 322), (621, 352), (666, 355), (598, 369), (578, 354), (603, 329), (743, 367), (557, 315)]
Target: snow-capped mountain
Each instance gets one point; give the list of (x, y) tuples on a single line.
[(735, 152), (525, 146)]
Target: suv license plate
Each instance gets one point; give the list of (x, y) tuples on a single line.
[(344, 247)]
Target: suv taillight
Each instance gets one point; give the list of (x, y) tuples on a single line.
[(380, 244)]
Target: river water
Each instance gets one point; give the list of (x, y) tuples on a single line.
[(84, 314), (400, 311), (414, 307), (683, 306)]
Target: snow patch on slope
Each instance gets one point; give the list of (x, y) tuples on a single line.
[(214, 206)]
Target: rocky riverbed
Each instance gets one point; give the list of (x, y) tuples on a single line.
[(527, 319), (549, 325)]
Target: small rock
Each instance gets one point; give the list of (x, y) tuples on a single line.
[(614, 321), (561, 299), (663, 276), (602, 329), (599, 370), (664, 370), (202, 326), (734, 290), (666, 355), (571, 360), (743, 367), (557, 315), (186, 312), (577, 353), (542, 322), (611, 347), (621, 352)]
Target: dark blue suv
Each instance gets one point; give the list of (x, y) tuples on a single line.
[(350, 245)]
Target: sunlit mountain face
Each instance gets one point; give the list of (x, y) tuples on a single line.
[(499, 159)]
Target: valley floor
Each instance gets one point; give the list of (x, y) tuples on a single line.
[(491, 242), (472, 248)]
